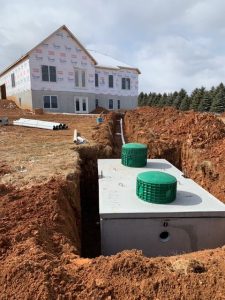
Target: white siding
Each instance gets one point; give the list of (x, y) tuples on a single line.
[(22, 79), (65, 54), (103, 82)]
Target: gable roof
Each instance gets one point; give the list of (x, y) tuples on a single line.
[(25, 56), (100, 60), (105, 61)]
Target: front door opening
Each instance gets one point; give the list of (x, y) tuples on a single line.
[(81, 105), (2, 92)]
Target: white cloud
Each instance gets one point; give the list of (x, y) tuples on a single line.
[(174, 43), (173, 62)]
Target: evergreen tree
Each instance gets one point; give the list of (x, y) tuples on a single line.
[(218, 105), (196, 97), (158, 99), (185, 103), (193, 99), (200, 99), (219, 88), (177, 101), (141, 99), (154, 99), (163, 100), (169, 100), (205, 103), (212, 92)]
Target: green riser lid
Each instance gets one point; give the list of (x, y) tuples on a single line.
[(156, 187), (134, 155)]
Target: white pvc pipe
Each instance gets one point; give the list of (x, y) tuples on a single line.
[(33, 121), (121, 129), (39, 124)]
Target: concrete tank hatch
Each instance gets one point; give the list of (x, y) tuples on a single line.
[(195, 220)]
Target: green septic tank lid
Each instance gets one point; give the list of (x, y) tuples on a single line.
[(156, 187), (134, 155), (134, 146)]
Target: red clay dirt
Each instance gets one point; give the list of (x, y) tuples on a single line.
[(40, 211), (194, 142)]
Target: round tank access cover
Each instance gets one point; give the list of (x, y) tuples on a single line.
[(156, 187), (134, 155)]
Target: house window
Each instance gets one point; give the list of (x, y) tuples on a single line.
[(80, 78), (110, 103), (50, 102), (77, 104), (110, 81), (76, 78), (96, 79), (125, 83), (83, 78), (118, 104), (96, 103), (52, 73), (84, 105), (48, 73), (13, 80), (54, 102)]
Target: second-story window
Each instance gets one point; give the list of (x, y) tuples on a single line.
[(96, 79), (48, 73), (52, 73), (110, 81), (76, 78), (13, 80), (125, 83), (80, 78), (83, 79)]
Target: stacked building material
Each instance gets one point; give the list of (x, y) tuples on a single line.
[(40, 124)]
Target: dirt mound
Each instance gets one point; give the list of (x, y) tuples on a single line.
[(103, 135), (38, 234), (99, 110), (8, 105), (171, 124), (9, 108), (194, 142)]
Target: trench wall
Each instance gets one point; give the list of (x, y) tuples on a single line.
[(197, 151)]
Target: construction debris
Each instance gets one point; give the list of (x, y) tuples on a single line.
[(40, 124), (77, 139)]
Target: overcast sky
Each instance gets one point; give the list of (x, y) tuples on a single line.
[(175, 43)]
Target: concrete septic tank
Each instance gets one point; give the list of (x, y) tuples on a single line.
[(194, 221)]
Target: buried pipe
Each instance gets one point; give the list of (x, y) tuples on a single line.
[(121, 130)]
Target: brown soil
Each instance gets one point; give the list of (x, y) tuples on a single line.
[(193, 142), (100, 110), (47, 185)]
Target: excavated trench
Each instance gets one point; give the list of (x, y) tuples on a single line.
[(89, 193), (53, 223), (179, 154), (90, 225)]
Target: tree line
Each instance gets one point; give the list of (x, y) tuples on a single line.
[(201, 99)]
